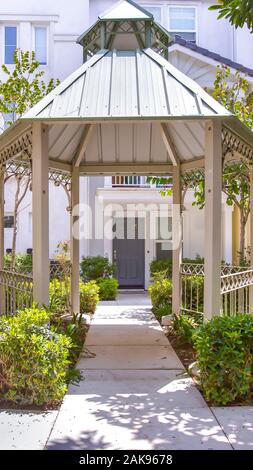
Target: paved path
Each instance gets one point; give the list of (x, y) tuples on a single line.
[(135, 393)]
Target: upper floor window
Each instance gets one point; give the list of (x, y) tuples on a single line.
[(10, 43), (41, 44), (8, 220), (182, 22), (156, 11)]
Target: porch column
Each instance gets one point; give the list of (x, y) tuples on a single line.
[(40, 214), (1, 235), (177, 241), (213, 187), (74, 243), (251, 237)]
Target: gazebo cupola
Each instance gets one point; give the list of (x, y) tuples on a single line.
[(125, 26)]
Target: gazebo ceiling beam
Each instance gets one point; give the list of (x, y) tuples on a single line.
[(82, 145), (170, 147), (126, 169)]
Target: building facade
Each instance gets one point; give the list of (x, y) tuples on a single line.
[(201, 43)]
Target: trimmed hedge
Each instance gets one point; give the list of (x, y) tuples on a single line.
[(224, 348), (89, 296), (161, 295), (108, 288), (34, 359), (94, 267)]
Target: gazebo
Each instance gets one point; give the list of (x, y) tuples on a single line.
[(127, 111)]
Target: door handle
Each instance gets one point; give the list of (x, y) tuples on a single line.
[(114, 255)]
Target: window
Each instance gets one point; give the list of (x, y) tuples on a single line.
[(182, 22), (10, 43), (8, 221), (164, 238), (155, 11), (41, 44)]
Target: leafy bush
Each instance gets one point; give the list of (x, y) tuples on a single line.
[(59, 292), (160, 293), (184, 326), (94, 267), (161, 266), (89, 296), (23, 262), (34, 359), (225, 357), (162, 311), (108, 288)]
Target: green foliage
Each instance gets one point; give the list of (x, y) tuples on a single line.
[(184, 326), (94, 267), (108, 288), (238, 12), (23, 262), (224, 348), (161, 294), (59, 291), (23, 86), (163, 266), (162, 311), (34, 359), (89, 296)]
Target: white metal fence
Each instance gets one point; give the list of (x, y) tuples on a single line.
[(235, 285)]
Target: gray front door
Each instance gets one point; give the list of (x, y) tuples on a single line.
[(128, 252)]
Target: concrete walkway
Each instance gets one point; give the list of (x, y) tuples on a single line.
[(135, 393)]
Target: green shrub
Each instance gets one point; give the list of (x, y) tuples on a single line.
[(162, 311), (94, 267), (59, 295), (108, 288), (89, 296), (160, 293), (184, 326), (34, 359), (23, 262), (224, 348), (161, 266)]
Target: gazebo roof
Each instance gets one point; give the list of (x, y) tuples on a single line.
[(126, 9), (127, 112), (127, 85)]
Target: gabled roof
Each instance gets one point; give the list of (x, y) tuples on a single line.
[(126, 85), (212, 55), (126, 9)]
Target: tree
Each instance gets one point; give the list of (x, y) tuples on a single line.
[(236, 181), (238, 12), (23, 88)]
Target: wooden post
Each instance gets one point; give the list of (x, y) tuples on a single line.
[(40, 214), (74, 245), (2, 304), (251, 237), (148, 34), (177, 241), (213, 187)]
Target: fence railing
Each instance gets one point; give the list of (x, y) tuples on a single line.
[(235, 284), (16, 289)]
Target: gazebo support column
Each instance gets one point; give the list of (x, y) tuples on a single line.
[(177, 241), (1, 235), (40, 214), (251, 237), (213, 177), (74, 245)]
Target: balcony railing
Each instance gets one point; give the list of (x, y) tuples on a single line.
[(129, 181)]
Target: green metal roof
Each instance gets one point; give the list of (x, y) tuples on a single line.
[(127, 85)]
